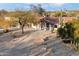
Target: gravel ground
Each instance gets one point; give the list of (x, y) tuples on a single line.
[(32, 44)]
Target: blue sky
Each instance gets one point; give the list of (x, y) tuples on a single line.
[(47, 6)]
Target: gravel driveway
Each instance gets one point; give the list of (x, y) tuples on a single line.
[(32, 44)]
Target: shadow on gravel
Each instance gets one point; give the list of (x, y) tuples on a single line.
[(9, 36), (66, 41), (19, 34), (51, 46)]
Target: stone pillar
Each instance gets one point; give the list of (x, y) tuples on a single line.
[(50, 27), (44, 26)]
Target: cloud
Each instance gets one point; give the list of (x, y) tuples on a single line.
[(57, 4)]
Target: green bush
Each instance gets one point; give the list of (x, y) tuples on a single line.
[(70, 31), (61, 32), (65, 31)]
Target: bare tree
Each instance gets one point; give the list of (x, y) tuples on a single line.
[(22, 22)]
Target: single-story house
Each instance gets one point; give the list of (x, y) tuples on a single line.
[(49, 22)]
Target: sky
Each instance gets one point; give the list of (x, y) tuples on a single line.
[(46, 6)]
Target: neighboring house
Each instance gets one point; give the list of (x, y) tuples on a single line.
[(77, 17), (68, 19), (9, 18)]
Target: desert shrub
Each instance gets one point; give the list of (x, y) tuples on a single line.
[(70, 31), (61, 32), (65, 31), (75, 24), (5, 30)]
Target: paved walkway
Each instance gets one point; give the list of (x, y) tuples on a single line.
[(32, 44)]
